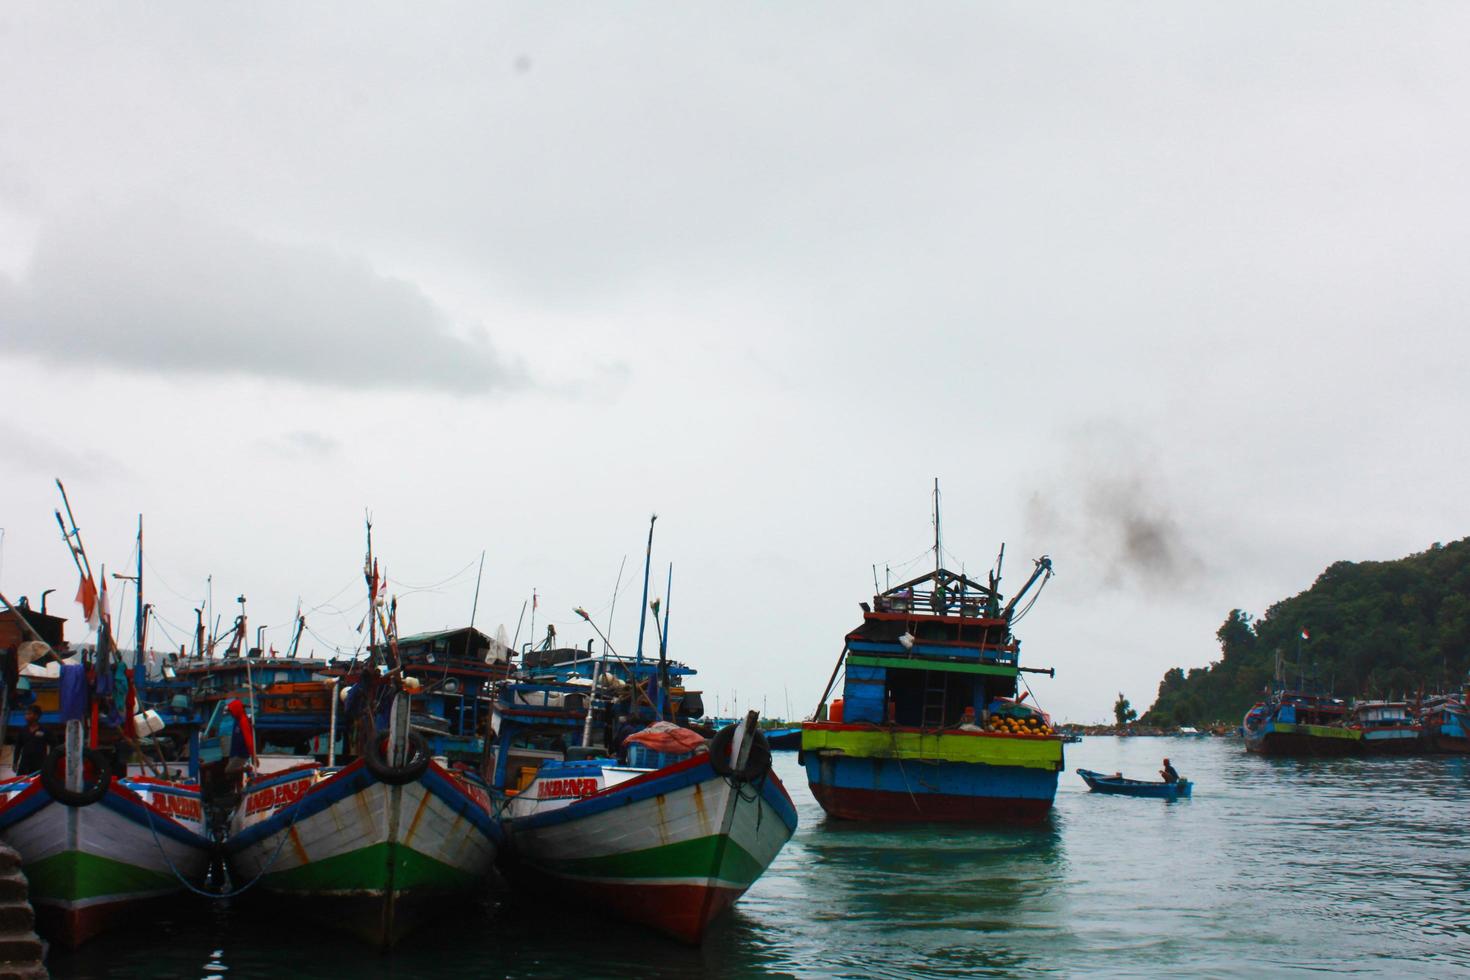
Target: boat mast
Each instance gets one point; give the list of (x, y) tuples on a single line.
[(370, 572), (663, 647), (643, 616), (140, 662), (937, 549)]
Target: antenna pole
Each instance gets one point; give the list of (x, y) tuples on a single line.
[(616, 585), (514, 643)]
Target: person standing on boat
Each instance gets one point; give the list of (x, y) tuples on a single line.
[(1169, 773), (31, 751), (620, 738)]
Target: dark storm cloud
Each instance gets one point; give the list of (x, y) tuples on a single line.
[(1110, 504), (154, 289)]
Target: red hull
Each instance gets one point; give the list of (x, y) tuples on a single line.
[(1294, 744), (1397, 746), (1449, 743), (681, 911), (70, 928), (879, 805)]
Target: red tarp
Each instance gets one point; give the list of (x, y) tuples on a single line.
[(664, 736)]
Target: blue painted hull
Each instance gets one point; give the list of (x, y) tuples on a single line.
[(923, 790), (1100, 783), (784, 738)]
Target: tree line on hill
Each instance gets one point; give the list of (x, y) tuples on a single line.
[(1373, 629)]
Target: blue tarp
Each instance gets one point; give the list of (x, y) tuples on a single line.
[(73, 692)]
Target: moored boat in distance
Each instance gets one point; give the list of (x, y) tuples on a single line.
[(784, 739), (1387, 727), (930, 726), (1445, 724), (1300, 723)]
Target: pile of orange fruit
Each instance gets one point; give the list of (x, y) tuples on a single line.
[(1029, 725)]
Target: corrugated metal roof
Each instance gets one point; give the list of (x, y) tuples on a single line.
[(436, 634)]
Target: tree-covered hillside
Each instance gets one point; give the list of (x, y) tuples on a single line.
[(1374, 629)]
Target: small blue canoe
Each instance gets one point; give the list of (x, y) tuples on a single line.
[(1103, 783)]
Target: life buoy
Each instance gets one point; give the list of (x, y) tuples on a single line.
[(376, 760), (95, 765), (757, 761)]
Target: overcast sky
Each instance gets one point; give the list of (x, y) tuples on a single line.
[(1174, 293)]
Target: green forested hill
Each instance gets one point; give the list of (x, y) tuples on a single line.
[(1375, 628)]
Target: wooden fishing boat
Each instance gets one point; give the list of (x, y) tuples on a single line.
[(1116, 785), (671, 835), (1386, 727), (371, 847), (930, 726), (371, 844), (94, 842), (670, 847), (92, 855)]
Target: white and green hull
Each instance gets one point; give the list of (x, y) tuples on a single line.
[(87, 866), (367, 854), (671, 848)]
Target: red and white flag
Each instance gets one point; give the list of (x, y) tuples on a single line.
[(1305, 634), (87, 599)]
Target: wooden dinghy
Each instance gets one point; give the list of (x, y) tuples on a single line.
[(1118, 786)]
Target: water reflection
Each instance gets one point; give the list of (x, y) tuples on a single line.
[(1275, 867)]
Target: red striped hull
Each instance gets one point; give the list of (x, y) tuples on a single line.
[(681, 911), (880, 805)]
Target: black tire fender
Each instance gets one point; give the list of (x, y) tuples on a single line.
[(54, 781), (377, 763), (757, 763)]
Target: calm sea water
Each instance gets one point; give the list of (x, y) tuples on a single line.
[(1275, 868)]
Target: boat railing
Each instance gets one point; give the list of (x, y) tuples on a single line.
[(924, 603)]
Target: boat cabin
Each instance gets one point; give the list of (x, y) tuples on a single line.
[(932, 653)]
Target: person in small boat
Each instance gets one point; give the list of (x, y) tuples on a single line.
[(33, 744), (1169, 773)]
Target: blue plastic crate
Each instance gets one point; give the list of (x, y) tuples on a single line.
[(642, 757)]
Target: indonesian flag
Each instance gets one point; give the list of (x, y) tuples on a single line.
[(1305, 634), (87, 599), (104, 613), (534, 601)]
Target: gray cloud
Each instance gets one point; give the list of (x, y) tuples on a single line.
[(43, 454), (155, 289), (304, 444)]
